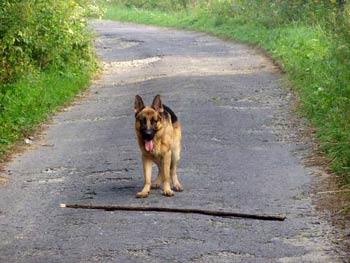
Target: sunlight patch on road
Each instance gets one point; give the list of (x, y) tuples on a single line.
[(114, 67), (315, 245)]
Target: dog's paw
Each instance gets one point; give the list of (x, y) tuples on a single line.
[(142, 194), (168, 192), (178, 187)]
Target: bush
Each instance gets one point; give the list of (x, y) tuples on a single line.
[(41, 34), (165, 5), (46, 57)]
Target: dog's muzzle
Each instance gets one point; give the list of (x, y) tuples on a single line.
[(148, 134)]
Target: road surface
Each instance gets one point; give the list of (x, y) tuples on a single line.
[(240, 153)]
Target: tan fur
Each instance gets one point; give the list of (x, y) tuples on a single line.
[(165, 154)]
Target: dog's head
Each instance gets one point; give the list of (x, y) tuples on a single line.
[(148, 120)]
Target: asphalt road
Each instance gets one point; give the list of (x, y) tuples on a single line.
[(241, 152)]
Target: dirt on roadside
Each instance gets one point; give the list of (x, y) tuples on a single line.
[(332, 198)]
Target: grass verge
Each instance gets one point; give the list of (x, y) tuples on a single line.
[(46, 58), (30, 100), (315, 61)]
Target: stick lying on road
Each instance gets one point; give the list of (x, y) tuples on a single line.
[(176, 210)]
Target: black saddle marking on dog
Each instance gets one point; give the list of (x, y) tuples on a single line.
[(168, 111)]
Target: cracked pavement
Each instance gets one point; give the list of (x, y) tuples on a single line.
[(241, 152)]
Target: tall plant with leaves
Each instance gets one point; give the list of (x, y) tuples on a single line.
[(41, 34)]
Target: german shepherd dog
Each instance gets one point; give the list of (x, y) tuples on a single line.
[(158, 133)]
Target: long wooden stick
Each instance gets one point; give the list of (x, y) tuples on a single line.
[(176, 210)]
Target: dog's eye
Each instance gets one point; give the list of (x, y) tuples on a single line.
[(143, 121), (153, 121)]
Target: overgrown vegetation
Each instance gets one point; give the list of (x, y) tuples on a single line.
[(310, 39), (46, 57)]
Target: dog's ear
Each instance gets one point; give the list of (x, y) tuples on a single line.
[(139, 105), (157, 104)]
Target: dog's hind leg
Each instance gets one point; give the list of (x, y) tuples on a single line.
[(175, 157), (177, 186), (158, 182), (165, 171)]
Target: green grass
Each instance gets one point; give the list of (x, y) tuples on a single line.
[(155, 17), (29, 101), (317, 65), (46, 58)]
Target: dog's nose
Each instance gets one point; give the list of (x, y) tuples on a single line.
[(148, 134)]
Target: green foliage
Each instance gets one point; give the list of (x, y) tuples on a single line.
[(39, 34), (46, 57), (310, 39), (28, 101), (165, 5)]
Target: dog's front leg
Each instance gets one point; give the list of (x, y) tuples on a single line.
[(147, 173), (165, 166)]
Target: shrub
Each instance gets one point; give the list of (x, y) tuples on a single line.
[(41, 34), (165, 5), (46, 57)]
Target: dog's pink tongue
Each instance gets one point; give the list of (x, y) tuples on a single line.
[(149, 146)]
